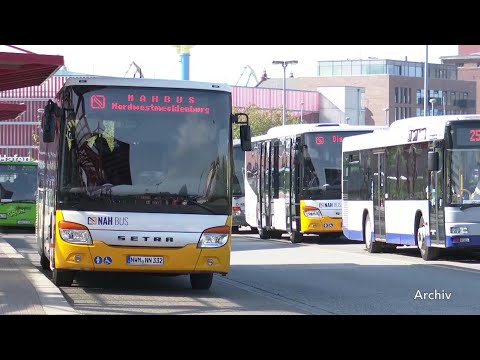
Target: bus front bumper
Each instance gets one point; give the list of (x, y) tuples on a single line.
[(103, 257)]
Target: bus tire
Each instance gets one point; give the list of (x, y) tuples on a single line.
[(371, 245), (44, 262), (263, 233), (63, 277), (428, 253), (201, 281), (296, 237)]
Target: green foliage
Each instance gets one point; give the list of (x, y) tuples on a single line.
[(262, 120)]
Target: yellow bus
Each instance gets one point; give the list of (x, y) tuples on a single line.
[(134, 175), (293, 179)]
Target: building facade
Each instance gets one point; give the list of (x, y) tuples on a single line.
[(468, 66), (393, 89)]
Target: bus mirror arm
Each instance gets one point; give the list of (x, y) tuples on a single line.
[(433, 163)]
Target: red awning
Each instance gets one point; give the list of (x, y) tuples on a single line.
[(11, 111), (19, 70)]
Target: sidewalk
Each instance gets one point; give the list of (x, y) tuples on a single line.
[(24, 290)]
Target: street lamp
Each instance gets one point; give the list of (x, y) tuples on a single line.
[(386, 115), (284, 65), (301, 112), (432, 101)]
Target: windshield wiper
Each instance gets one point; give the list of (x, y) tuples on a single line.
[(466, 206)]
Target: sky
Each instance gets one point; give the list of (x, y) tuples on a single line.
[(225, 63)]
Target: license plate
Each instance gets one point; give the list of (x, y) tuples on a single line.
[(23, 222), (145, 260)]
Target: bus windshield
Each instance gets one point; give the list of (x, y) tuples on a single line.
[(18, 183), (137, 149), (322, 156), (464, 177), (239, 162)]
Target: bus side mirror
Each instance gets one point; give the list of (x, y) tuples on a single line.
[(48, 122), (296, 154), (245, 138), (433, 161)]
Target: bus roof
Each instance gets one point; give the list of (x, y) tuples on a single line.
[(297, 129), (431, 128), (142, 82)]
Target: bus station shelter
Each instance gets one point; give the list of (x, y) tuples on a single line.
[(25, 69)]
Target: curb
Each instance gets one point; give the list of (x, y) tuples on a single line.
[(51, 298)]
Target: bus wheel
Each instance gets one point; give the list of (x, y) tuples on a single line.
[(44, 262), (201, 281), (263, 233), (296, 237), (371, 245), (428, 253), (63, 277)]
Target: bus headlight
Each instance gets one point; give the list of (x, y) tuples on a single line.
[(462, 230), (214, 237), (74, 233), (312, 212)]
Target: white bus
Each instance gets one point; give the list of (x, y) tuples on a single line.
[(293, 179), (135, 175), (415, 183)]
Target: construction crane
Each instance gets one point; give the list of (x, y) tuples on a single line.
[(138, 70), (184, 51), (250, 75)]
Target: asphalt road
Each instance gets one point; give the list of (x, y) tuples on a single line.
[(319, 276)]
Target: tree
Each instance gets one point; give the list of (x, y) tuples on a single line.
[(262, 120)]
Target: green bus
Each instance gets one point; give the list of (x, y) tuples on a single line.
[(18, 188)]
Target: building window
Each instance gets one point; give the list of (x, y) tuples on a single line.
[(397, 70), (325, 68), (418, 71), (337, 69), (419, 97), (396, 95), (346, 68)]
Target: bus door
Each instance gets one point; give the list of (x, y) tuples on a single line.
[(295, 181), (435, 197), (265, 188), (379, 195), (287, 180)]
